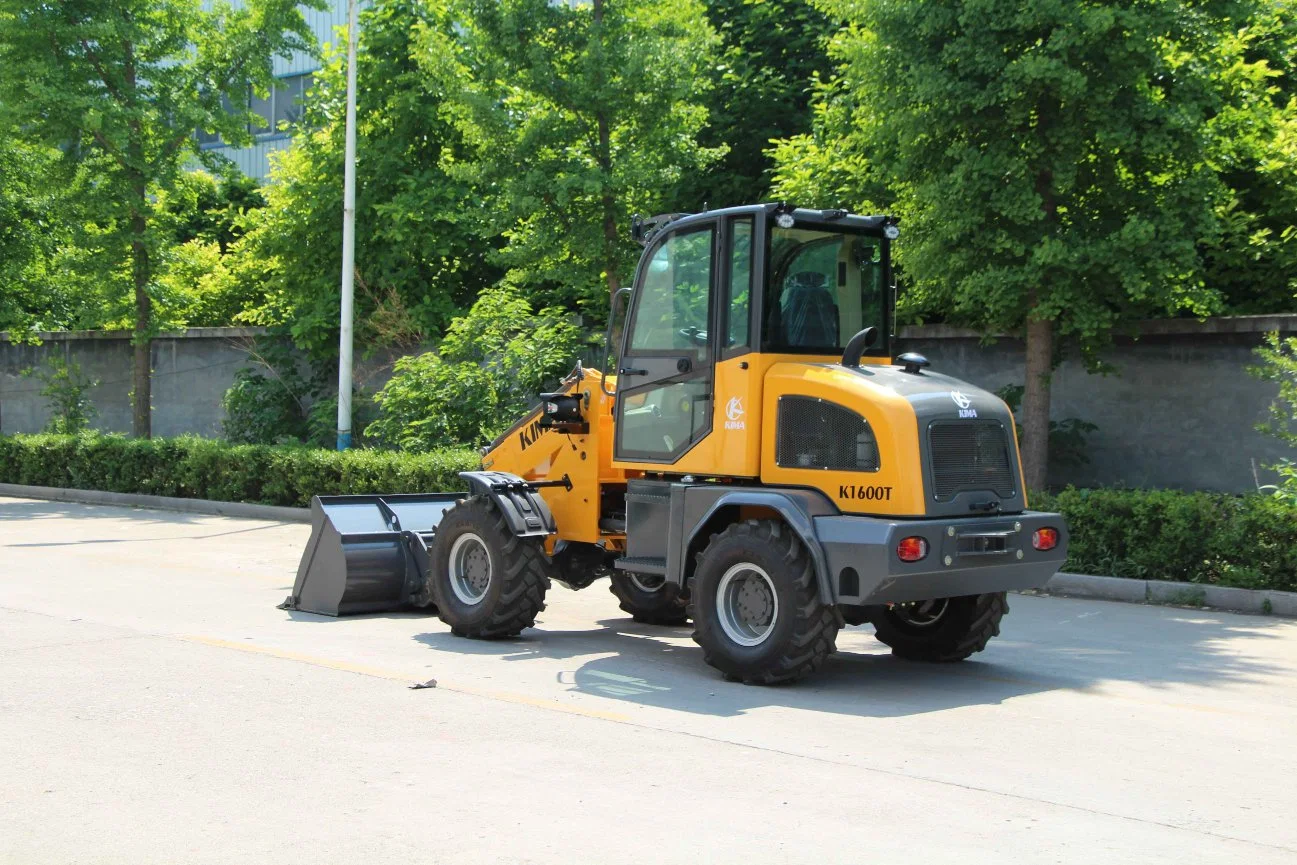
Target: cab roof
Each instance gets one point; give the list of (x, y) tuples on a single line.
[(644, 230)]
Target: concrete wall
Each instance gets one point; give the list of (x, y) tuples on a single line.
[(1180, 412), (191, 372)]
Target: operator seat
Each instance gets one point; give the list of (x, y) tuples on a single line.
[(809, 311)]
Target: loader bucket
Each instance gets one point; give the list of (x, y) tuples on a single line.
[(366, 553)]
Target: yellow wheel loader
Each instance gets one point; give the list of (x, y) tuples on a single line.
[(757, 464)]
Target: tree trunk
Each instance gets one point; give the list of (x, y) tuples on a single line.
[(141, 378), (1035, 402), (1040, 354)]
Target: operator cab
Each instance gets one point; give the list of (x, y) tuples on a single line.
[(720, 296)]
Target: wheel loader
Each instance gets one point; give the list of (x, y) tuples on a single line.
[(755, 463)]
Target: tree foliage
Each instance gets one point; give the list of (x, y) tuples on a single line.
[(1279, 364), (419, 260), (772, 57), (1050, 160), (33, 228), (1253, 262), (488, 371), (123, 85), (575, 116)]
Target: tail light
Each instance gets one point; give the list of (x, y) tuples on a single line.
[(1045, 539), (912, 549)]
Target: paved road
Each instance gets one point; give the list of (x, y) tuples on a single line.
[(156, 707)]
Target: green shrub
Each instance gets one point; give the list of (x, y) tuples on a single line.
[(191, 467), (263, 409), (1279, 365), (1246, 541), (490, 368), (65, 386)]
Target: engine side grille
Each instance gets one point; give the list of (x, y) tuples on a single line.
[(814, 434), (970, 455)]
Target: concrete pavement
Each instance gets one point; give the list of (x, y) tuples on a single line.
[(156, 707)]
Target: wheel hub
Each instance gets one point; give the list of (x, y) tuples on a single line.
[(647, 583), (470, 568), (747, 604)]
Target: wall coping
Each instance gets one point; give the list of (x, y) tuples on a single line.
[(189, 333), (1283, 322)]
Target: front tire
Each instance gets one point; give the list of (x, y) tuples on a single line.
[(941, 630), (649, 598), (486, 581), (756, 606)]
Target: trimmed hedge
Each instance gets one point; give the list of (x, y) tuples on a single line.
[(1247, 541), (197, 468)]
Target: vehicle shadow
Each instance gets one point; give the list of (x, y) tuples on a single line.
[(1054, 645)]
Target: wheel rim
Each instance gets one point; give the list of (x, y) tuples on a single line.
[(747, 604), (921, 614), (648, 583), (470, 568)]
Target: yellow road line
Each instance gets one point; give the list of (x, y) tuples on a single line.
[(408, 678)]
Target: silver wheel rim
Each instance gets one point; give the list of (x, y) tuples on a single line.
[(747, 604), (470, 568), (922, 614), (648, 584)]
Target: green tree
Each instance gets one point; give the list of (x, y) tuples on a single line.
[(125, 84), (419, 259), (492, 365), (577, 115), (33, 228), (1279, 365), (1253, 262), (1050, 160), (773, 54)]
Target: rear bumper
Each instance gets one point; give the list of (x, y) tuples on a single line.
[(966, 556)]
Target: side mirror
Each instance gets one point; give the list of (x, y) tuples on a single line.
[(856, 347)]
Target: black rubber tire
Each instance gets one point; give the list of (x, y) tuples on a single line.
[(519, 575), (804, 628), (659, 607), (966, 626)]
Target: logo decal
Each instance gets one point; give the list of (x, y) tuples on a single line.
[(734, 414), (963, 402)]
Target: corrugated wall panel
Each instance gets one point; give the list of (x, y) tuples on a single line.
[(254, 161)]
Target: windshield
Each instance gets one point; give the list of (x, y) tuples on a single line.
[(825, 287)]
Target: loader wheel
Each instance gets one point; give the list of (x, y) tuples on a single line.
[(649, 599), (486, 581), (941, 630), (756, 606)]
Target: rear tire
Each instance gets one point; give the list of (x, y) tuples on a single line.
[(756, 605), (959, 627), (486, 581), (649, 599)]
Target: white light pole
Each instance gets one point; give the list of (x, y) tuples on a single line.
[(348, 240)]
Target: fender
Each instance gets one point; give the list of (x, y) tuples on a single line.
[(524, 510), (797, 507)]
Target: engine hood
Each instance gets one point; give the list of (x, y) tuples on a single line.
[(962, 437)]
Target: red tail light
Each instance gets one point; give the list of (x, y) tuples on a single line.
[(1045, 539), (912, 549)]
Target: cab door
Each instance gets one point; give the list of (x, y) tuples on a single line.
[(664, 378)]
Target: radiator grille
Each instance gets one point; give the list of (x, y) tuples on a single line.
[(970, 455), (814, 434)]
